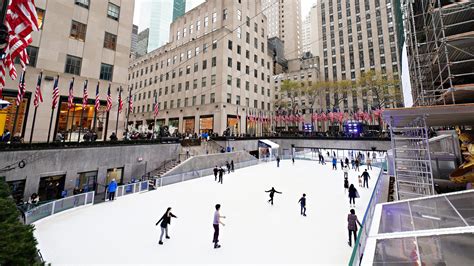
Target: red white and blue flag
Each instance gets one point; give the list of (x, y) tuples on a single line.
[(70, 99), (56, 92), (97, 100), (109, 100), (85, 96), (130, 102), (120, 101), (21, 89), (38, 96), (156, 109)]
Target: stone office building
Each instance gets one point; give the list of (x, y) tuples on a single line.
[(214, 71)]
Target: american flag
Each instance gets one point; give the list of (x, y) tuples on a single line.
[(120, 101), (156, 110), (109, 100), (38, 95), (97, 100), (56, 92), (70, 99), (21, 89), (130, 102), (85, 96)]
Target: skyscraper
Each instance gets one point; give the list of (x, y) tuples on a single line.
[(306, 34), (284, 22), (157, 16), (133, 47), (355, 37)]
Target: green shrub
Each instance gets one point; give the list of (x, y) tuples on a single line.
[(17, 243)]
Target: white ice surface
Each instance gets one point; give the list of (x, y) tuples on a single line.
[(124, 231)]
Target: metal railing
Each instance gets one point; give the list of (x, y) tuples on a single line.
[(361, 241), (172, 179), (131, 188), (58, 206)]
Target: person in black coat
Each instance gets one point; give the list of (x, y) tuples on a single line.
[(221, 174), (366, 177), (278, 161), (346, 184), (232, 165), (216, 171), (347, 161), (227, 164), (302, 203), (165, 220), (352, 194), (272, 193), (342, 164)]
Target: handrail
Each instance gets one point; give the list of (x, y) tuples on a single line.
[(366, 223)]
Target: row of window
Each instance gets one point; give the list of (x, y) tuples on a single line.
[(74, 64), (113, 11), (78, 32)]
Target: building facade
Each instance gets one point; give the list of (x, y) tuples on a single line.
[(84, 47), (306, 35), (133, 46), (179, 7), (142, 42), (284, 22), (355, 37), (212, 74)]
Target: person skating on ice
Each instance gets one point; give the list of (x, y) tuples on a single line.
[(352, 222), (346, 171), (359, 177), (366, 177), (352, 195), (346, 184), (293, 160), (272, 193), (347, 162), (165, 221), (302, 203), (215, 224), (232, 165), (369, 163), (334, 163), (342, 164), (216, 171), (227, 164), (278, 161), (357, 164), (221, 174)]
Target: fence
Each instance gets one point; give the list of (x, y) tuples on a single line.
[(172, 179), (57, 206), (132, 188), (358, 251)]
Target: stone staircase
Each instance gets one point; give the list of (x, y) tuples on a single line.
[(164, 168)]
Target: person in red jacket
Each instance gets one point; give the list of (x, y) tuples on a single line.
[(165, 220), (352, 222)]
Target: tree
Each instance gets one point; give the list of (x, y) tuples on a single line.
[(380, 86), (339, 87), (291, 89)]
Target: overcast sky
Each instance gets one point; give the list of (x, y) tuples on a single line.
[(305, 7)]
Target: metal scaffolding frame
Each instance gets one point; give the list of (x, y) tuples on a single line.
[(440, 47), (412, 159)]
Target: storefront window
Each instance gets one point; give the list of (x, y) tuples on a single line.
[(50, 187), (17, 189), (206, 124), (70, 124), (233, 124), (188, 125), (87, 181), (173, 125), (7, 116), (251, 127), (115, 173)]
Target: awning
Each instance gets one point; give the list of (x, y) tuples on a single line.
[(267, 143)]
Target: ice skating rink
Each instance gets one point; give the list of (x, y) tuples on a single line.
[(256, 232)]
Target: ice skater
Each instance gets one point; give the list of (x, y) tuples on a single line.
[(346, 171), (342, 164), (278, 161), (346, 184), (216, 171), (221, 174), (334, 163), (353, 164), (165, 220), (369, 163), (293, 160), (353, 193), (352, 222), (227, 164), (357, 164), (366, 177), (302, 203), (359, 177), (347, 162), (272, 193), (111, 189), (232, 165), (215, 224)]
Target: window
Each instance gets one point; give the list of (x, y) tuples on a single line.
[(113, 11), (110, 41), (214, 61), (213, 97), (214, 44), (204, 65), (203, 82), (229, 98), (229, 45), (206, 22), (195, 84), (239, 15), (194, 101), (83, 3), (225, 14), (213, 79), (214, 17), (229, 62), (229, 80), (73, 65), (33, 54), (78, 31), (40, 14), (203, 99)]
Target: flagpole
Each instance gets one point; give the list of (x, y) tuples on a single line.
[(118, 109), (82, 112), (50, 123), (106, 125), (128, 113), (67, 121), (18, 106), (33, 124), (72, 121), (95, 113)]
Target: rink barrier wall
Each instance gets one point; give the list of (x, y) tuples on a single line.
[(363, 235), (58, 206), (172, 179), (131, 188)]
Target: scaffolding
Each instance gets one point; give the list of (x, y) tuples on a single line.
[(440, 47), (411, 159)]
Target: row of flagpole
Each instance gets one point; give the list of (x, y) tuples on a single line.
[(38, 98)]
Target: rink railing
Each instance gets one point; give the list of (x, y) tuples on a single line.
[(131, 188), (361, 241), (58, 206), (172, 179)]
